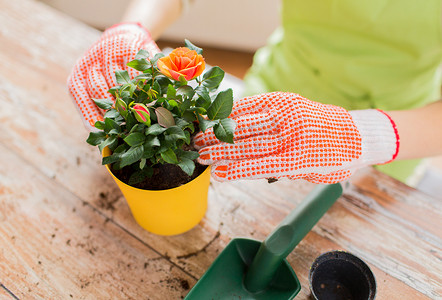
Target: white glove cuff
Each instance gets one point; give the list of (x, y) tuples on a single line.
[(380, 138)]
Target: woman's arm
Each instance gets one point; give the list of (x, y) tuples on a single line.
[(154, 15), (420, 131)]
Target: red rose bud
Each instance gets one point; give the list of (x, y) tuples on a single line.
[(121, 107), (141, 113)]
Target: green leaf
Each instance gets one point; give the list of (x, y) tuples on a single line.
[(205, 124), (187, 165), (172, 103), (175, 133), (125, 95), (137, 128), (191, 46), (99, 125), (169, 156), (224, 130), (121, 148), (164, 145), (213, 77), (192, 155), (129, 87), (132, 155), (142, 54), (122, 77), (111, 159), (171, 92), (182, 80), (189, 116), (139, 64), (142, 163), (116, 165), (104, 103), (181, 123), (140, 176), (112, 114), (199, 110), (157, 87), (159, 101), (110, 142), (143, 77), (187, 140), (221, 107), (186, 91), (151, 141), (130, 121), (155, 129), (148, 152), (156, 57), (135, 139), (153, 116), (163, 81), (113, 91), (96, 138), (165, 117), (204, 97), (111, 126), (185, 105)]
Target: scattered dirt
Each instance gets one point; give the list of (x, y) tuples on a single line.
[(272, 180), (172, 283), (107, 202), (184, 284)]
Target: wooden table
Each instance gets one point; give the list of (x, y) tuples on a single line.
[(66, 231)]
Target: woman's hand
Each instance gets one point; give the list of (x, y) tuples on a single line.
[(286, 135), (94, 73)]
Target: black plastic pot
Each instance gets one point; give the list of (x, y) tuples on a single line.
[(339, 275)]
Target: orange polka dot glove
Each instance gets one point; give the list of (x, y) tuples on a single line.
[(94, 73), (286, 135)]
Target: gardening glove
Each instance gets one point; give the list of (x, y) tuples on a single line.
[(94, 73), (286, 135)]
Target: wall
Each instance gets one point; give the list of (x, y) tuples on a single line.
[(233, 24)]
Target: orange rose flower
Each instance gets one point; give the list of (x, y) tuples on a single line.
[(182, 62)]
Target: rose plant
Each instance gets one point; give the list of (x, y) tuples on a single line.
[(150, 119)]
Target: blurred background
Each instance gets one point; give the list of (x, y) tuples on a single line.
[(233, 29)]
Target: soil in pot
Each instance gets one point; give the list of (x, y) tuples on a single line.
[(164, 177)]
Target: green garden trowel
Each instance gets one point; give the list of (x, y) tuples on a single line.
[(250, 269)]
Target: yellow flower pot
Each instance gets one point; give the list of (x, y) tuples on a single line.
[(167, 212)]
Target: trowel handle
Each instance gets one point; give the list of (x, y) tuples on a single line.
[(288, 234), (301, 220)]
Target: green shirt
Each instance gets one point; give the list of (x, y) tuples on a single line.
[(356, 54)]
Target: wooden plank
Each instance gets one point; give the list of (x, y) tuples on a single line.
[(415, 209), (55, 246), (39, 123)]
